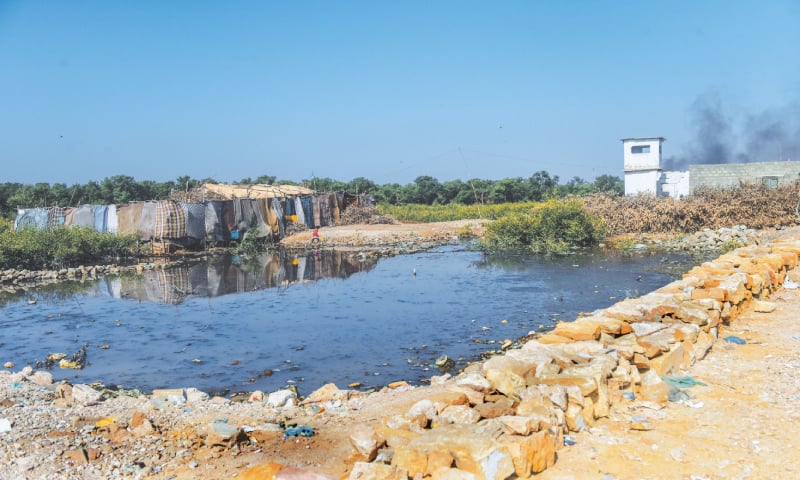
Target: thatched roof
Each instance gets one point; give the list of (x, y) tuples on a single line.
[(229, 191)]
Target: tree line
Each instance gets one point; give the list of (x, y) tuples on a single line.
[(121, 189)]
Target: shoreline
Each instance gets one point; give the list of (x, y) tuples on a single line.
[(182, 433)]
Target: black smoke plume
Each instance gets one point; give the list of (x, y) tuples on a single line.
[(770, 136)]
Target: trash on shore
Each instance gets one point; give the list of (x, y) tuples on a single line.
[(301, 431), (686, 381), (735, 339)]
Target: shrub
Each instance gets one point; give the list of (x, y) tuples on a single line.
[(452, 211), (252, 244), (554, 226), (749, 204), (62, 247)]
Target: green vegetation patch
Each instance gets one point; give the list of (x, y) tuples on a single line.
[(60, 247), (554, 226)]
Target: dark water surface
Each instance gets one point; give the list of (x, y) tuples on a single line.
[(310, 320)]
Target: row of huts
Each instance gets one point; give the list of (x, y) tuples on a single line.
[(211, 214)]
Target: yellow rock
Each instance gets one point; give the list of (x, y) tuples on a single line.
[(64, 363)]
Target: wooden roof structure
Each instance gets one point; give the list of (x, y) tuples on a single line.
[(223, 191)]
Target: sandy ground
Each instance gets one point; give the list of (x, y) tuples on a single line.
[(742, 425), (382, 235)]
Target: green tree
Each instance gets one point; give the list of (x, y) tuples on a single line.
[(388, 193), (541, 186), (266, 179), (360, 185), (609, 184), (425, 190), (575, 186), (508, 190), (450, 191)]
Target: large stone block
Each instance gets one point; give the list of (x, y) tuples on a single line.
[(692, 313), (471, 450), (629, 311), (531, 454), (444, 399), (452, 474), (460, 414), (587, 384), (473, 380), (373, 471), (496, 409), (578, 330), (671, 361), (365, 441)]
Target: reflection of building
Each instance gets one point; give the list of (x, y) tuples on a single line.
[(643, 173), (227, 274)]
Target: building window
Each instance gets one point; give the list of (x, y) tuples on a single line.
[(640, 149), (770, 182)]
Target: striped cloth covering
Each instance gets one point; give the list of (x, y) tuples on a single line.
[(170, 220)]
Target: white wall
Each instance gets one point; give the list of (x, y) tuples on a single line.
[(674, 184), (642, 181), (641, 161)]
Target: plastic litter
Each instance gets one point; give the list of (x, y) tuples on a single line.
[(105, 422), (682, 381), (569, 441), (735, 339), (302, 431), (789, 284), (629, 395), (5, 425), (676, 395)]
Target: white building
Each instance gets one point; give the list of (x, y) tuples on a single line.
[(642, 164), (643, 173)]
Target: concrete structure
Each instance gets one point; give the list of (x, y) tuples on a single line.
[(642, 165), (643, 173), (673, 184), (769, 174)]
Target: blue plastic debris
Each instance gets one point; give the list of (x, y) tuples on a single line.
[(735, 339), (682, 381), (629, 395), (569, 441), (303, 431)]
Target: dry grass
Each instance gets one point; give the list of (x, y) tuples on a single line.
[(750, 205)]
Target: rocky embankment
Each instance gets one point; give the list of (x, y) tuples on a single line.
[(505, 417)]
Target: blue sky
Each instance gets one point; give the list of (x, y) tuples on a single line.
[(385, 90)]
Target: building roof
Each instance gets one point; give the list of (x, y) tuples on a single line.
[(230, 191), (643, 138)]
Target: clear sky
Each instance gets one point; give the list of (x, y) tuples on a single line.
[(387, 90)]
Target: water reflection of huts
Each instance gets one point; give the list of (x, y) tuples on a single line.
[(228, 274), (213, 214)]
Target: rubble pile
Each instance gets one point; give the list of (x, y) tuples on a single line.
[(707, 239), (364, 215)]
